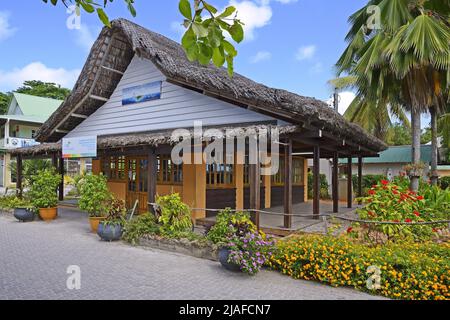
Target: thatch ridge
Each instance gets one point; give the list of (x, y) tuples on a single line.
[(170, 59)]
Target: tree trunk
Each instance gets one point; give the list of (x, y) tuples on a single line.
[(416, 132), (434, 147)]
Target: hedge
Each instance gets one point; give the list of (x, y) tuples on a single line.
[(408, 271)]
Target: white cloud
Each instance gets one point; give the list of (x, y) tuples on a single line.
[(261, 56), (345, 99), (306, 52), (6, 31), (253, 15), (85, 37), (12, 79)]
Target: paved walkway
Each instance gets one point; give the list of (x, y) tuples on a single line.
[(34, 258)]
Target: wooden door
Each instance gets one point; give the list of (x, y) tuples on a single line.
[(137, 182)]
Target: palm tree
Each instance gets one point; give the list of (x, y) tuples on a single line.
[(403, 62), (373, 116)]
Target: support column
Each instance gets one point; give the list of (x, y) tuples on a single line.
[(61, 172), (152, 173), (19, 177), (316, 183), (239, 180), (349, 183), (255, 182), (288, 184), (335, 182), (360, 177)]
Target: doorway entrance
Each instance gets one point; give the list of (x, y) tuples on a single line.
[(137, 182)]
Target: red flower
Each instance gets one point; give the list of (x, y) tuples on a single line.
[(435, 230), (395, 192), (408, 220), (372, 214), (371, 192), (375, 186), (417, 213), (384, 182), (350, 229), (420, 197)]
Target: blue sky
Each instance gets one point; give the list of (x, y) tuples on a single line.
[(291, 44)]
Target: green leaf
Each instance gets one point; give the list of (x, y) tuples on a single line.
[(192, 52), (188, 39), (103, 17), (237, 32), (209, 7), (185, 9), (218, 58), (228, 12), (87, 7), (199, 30), (229, 48)]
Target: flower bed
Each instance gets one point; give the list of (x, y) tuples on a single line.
[(408, 271)]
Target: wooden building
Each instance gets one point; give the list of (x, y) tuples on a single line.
[(134, 139)]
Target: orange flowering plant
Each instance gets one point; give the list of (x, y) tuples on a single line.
[(391, 202)]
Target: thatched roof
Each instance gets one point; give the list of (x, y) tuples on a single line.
[(155, 139), (115, 48)]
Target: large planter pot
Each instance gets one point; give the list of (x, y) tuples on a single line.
[(48, 214), (95, 221), (108, 232), (224, 253), (23, 215)]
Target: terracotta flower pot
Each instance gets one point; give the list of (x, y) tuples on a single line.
[(48, 214), (95, 221)]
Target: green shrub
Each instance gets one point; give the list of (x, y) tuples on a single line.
[(175, 215), (95, 196), (368, 181), (324, 187), (229, 222), (444, 182), (389, 202), (43, 190), (145, 224), (408, 270), (12, 202)]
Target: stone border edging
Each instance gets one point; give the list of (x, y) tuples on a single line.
[(182, 246)]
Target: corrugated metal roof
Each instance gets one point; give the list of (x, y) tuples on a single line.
[(397, 154), (41, 108)]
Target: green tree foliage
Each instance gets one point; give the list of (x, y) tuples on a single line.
[(398, 135), (44, 89), (204, 40), (43, 190), (5, 99)]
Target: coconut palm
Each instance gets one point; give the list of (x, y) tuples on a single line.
[(403, 61)]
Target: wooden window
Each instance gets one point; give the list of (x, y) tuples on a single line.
[(220, 175), (114, 168), (168, 172), (297, 173)]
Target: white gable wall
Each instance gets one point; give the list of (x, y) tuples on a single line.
[(178, 108)]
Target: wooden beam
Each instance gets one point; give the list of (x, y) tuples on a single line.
[(19, 176), (152, 174), (349, 183), (335, 182), (360, 177), (81, 116), (94, 97), (316, 183), (288, 184), (255, 188), (61, 184), (113, 70), (61, 131)]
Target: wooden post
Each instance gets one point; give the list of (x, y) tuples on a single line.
[(335, 182), (61, 172), (255, 187), (360, 177), (19, 177), (349, 183), (288, 184), (152, 173), (316, 183)]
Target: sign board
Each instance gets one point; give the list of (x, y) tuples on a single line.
[(146, 92), (79, 147)]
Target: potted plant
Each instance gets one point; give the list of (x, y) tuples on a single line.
[(111, 229), (95, 198), (43, 193), (22, 208)]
